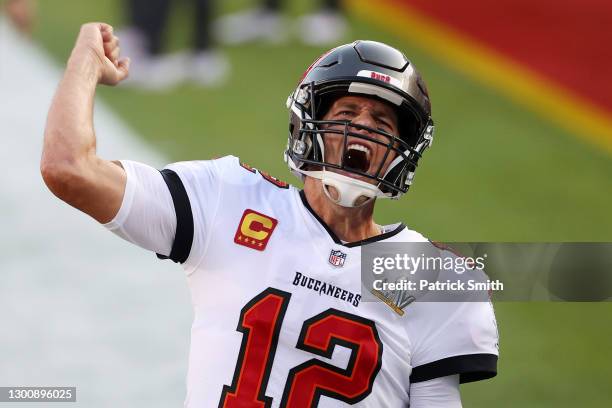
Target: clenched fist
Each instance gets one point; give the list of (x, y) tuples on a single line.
[(97, 52)]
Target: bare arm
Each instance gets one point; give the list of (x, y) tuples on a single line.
[(69, 165)]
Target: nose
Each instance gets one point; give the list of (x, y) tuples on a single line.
[(364, 118)]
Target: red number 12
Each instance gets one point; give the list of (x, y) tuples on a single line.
[(260, 323)]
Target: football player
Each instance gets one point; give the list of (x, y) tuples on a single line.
[(274, 271)]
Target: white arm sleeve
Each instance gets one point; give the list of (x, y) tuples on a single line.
[(441, 392), (147, 217)]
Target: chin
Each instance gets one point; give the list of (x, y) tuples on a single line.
[(355, 176)]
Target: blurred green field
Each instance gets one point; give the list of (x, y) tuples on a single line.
[(496, 172)]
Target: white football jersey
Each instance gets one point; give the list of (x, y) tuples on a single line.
[(279, 320)]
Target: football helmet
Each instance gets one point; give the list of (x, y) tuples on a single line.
[(363, 68)]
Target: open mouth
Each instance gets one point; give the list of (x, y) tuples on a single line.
[(357, 157)]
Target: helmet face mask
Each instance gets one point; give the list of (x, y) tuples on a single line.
[(317, 134), (349, 70)]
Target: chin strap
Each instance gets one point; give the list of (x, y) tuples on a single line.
[(349, 190)]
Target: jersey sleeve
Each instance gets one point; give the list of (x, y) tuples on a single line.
[(171, 211), (196, 188), (146, 217), (454, 337)]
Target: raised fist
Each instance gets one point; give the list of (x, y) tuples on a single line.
[(98, 48)]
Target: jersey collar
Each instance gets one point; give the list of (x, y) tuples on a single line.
[(337, 240)]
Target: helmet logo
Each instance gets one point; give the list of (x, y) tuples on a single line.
[(379, 76)]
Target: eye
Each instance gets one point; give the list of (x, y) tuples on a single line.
[(345, 113), (384, 125)]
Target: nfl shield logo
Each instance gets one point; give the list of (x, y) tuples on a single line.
[(337, 258)]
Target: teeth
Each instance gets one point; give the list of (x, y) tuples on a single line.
[(360, 148)]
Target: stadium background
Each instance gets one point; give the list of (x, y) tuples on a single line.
[(522, 151)]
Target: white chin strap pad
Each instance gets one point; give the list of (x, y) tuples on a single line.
[(348, 189)]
